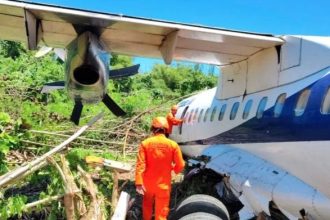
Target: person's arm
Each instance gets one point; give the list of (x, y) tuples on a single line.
[(178, 160), (139, 170), (173, 119)]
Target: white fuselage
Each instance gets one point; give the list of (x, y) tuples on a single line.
[(273, 141)]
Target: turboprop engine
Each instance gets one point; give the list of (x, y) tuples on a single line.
[(87, 75)]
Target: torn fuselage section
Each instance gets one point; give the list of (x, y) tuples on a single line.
[(87, 69), (261, 186), (200, 180)]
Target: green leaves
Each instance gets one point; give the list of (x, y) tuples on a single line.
[(9, 137), (4, 119), (11, 49), (12, 206)]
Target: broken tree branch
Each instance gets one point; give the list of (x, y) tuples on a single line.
[(94, 212), (78, 138), (10, 176)]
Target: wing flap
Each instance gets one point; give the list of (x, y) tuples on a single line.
[(131, 36), (134, 36), (12, 28), (133, 48)]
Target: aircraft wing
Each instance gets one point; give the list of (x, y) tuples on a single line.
[(54, 26)]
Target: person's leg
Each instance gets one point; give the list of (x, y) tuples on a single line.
[(162, 202), (148, 200)]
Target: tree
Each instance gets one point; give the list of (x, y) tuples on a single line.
[(123, 84), (11, 49)]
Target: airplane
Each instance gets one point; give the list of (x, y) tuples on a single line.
[(264, 130)]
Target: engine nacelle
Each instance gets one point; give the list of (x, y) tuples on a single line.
[(87, 69)]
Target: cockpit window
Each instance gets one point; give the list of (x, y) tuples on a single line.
[(234, 111), (213, 113), (247, 109), (279, 105), (222, 112), (261, 107), (302, 102), (325, 108)]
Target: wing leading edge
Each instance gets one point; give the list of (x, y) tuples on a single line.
[(54, 26)]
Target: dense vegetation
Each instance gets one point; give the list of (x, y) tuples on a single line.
[(24, 111)]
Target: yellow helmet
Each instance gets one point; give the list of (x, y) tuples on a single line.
[(160, 122)]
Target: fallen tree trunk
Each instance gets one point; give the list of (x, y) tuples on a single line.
[(12, 175)]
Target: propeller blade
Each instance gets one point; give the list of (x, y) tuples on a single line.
[(124, 72), (43, 51), (112, 106), (48, 87), (61, 53), (76, 112)]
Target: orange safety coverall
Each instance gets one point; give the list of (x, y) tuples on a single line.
[(172, 120), (157, 157)]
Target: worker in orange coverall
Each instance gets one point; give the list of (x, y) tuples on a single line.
[(156, 159), (172, 120)]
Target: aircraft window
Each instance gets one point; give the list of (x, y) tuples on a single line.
[(234, 111), (200, 115), (213, 113), (302, 102), (191, 114), (261, 107), (247, 109), (206, 114), (326, 103), (222, 112), (195, 115), (183, 116), (279, 105)]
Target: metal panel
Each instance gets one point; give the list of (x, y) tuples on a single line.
[(131, 36), (233, 81), (290, 52), (263, 71), (12, 28)]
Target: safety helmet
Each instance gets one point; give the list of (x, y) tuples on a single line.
[(174, 108), (160, 122)]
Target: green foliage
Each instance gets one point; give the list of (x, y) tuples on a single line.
[(12, 206), (11, 49), (120, 61), (9, 137)]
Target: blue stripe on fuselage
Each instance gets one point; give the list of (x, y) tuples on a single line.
[(310, 126)]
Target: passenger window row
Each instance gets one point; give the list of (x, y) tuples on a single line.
[(301, 104)]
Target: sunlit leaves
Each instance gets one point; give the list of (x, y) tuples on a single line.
[(12, 206)]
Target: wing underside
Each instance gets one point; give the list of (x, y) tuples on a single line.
[(54, 26)]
